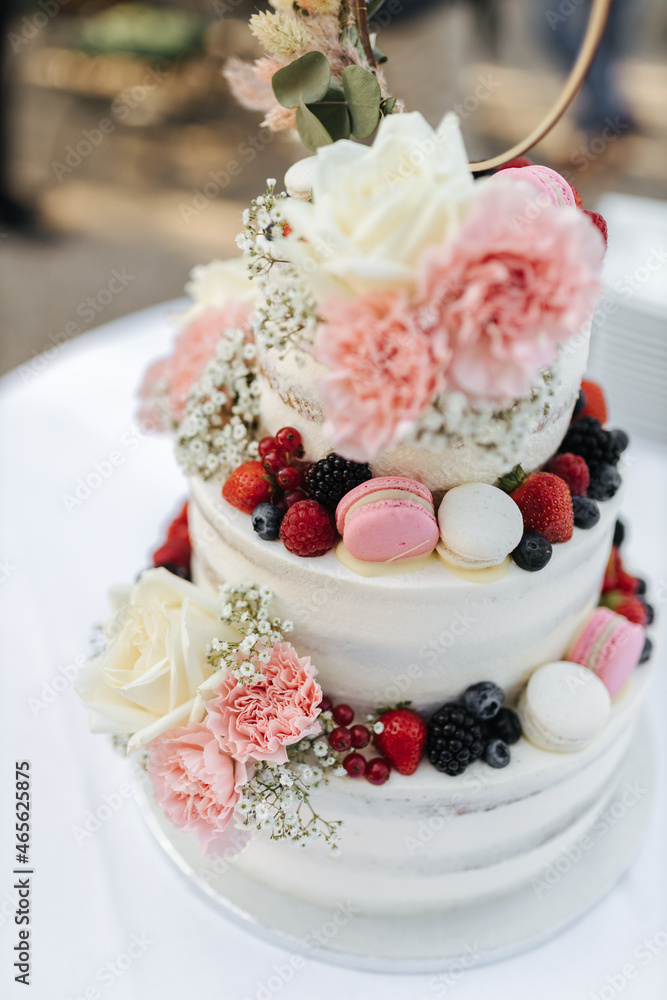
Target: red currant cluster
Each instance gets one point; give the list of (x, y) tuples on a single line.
[(281, 458), (345, 736)]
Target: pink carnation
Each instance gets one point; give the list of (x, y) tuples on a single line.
[(196, 783), (383, 371), (511, 285), (168, 381), (257, 722)]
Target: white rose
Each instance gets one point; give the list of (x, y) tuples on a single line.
[(147, 679), (374, 210), (215, 285)]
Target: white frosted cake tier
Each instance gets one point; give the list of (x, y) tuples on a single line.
[(422, 636), (430, 841), (289, 396)]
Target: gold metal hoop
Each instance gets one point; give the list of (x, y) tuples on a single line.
[(594, 29)]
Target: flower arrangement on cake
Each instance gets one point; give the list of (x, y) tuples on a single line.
[(386, 384)]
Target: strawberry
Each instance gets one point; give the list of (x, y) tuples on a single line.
[(627, 583), (176, 550), (596, 403), (518, 161), (247, 487), (628, 605), (599, 222), (403, 739), (544, 501), (577, 197), (573, 470)]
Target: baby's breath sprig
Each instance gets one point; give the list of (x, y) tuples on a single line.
[(246, 608), (286, 315), (218, 432), (277, 797), (263, 230)]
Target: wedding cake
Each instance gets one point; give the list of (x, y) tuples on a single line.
[(388, 651)]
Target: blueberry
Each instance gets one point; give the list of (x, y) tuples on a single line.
[(619, 534), (605, 484), (641, 585), (533, 552), (483, 700), (650, 613), (580, 404), (647, 651), (620, 439), (266, 520), (504, 726), (497, 753), (586, 512)]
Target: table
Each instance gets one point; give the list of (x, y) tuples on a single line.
[(111, 918)]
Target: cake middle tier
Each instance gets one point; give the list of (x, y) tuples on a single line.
[(422, 636)]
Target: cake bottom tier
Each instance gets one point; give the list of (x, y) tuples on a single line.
[(431, 842)]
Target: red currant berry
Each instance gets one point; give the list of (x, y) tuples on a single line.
[(377, 771), (354, 764), (288, 477), (273, 461), (280, 505), (294, 496), (288, 438), (326, 704), (361, 737), (343, 715), (266, 445), (340, 739)]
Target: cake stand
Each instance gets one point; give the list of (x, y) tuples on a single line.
[(453, 939)]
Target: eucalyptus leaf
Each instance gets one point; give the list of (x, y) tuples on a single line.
[(373, 7), (332, 111), (363, 99), (380, 57), (311, 130), (304, 81), (387, 106)]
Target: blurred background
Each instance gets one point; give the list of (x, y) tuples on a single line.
[(124, 160)]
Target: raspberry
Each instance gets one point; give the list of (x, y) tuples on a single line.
[(307, 529), (577, 197), (596, 402), (573, 469), (518, 161)]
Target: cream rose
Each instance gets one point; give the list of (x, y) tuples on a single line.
[(215, 285), (374, 210), (146, 680)]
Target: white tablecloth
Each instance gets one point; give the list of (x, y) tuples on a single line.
[(96, 896)]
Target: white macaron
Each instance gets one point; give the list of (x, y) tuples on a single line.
[(479, 526), (299, 178), (563, 707)]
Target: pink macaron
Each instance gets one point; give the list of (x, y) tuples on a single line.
[(610, 646), (547, 181), (388, 519)]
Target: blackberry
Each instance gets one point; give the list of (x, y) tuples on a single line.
[(598, 447), (455, 739), (328, 480)]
